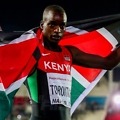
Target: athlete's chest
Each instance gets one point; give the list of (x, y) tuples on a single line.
[(51, 61)]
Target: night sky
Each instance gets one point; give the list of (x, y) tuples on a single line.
[(23, 14)]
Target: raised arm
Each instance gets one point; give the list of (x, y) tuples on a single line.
[(94, 61)]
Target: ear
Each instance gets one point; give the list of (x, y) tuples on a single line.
[(41, 24)]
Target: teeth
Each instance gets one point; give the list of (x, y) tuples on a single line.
[(56, 37)]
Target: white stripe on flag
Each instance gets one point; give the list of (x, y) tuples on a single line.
[(104, 32), (77, 31), (22, 38), (15, 85), (1, 87), (84, 82)]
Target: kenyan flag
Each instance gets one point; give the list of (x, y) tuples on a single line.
[(16, 61), (97, 36)]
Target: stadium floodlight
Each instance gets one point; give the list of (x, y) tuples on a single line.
[(116, 99)]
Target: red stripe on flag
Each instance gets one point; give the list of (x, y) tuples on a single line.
[(13, 60)]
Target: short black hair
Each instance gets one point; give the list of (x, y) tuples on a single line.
[(56, 8)]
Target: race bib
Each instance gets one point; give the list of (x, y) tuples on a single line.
[(59, 88)]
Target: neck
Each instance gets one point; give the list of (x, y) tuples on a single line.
[(52, 46)]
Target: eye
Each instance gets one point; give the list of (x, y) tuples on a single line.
[(62, 25), (52, 24)]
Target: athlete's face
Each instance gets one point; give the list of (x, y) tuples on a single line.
[(53, 26)]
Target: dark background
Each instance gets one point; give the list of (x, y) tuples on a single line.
[(21, 15)]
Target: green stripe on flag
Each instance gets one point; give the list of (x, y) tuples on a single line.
[(11, 97), (76, 91), (6, 103), (33, 86)]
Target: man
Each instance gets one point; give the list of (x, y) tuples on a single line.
[(49, 83)]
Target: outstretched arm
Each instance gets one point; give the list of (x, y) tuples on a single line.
[(94, 61)]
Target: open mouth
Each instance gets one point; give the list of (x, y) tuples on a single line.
[(56, 37)]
